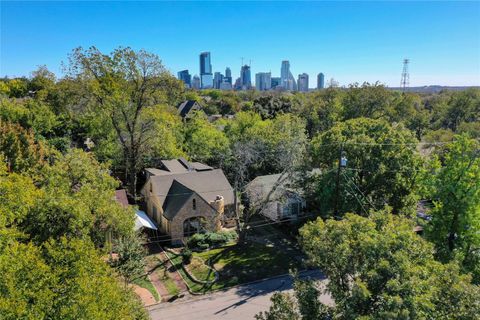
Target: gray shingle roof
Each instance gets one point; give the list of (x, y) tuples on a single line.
[(172, 187), (185, 107)]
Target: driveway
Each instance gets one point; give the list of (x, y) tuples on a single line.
[(241, 302)]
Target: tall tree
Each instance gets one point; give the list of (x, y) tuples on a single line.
[(124, 85), (454, 186), (77, 202), (378, 268), (381, 168)]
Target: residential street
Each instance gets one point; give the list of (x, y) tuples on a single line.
[(241, 302)]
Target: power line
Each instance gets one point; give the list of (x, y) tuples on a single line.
[(355, 196), (252, 227), (351, 181)]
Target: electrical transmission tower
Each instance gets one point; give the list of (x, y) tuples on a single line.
[(405, 76)]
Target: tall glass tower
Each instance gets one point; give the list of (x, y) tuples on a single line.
[(228, 75), (245, 77), (286, 77), (320, 81), (206, 76), (185, 77)]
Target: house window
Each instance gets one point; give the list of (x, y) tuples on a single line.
[(151, 188), (194, 204)]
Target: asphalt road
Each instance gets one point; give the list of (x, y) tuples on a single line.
[(241, 302)]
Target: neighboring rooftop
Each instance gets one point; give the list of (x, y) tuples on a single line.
[(121, 197), (186, 106)]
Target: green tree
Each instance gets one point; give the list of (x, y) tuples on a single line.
[(124, 85), (378, 268), (77, 202), (64, 279), (19, 149), (382, 167), (453, 185), (130, 263), (282, 308), (370, 101), (270, 105), (203, 141)]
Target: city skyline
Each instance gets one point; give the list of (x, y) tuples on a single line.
[(263, 80), (340, 39)]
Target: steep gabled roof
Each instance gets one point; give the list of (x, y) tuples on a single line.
[(185, 107), (172, 190), (176, 198)]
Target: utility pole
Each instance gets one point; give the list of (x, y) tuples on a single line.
[(342, 162)]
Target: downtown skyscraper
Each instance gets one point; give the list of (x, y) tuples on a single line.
[(185, 77), (245, 77), (303, 82), (263, 81), (320, 81), (206, 76), (287, 79)]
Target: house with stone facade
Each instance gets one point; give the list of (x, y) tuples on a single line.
[(185, 197)]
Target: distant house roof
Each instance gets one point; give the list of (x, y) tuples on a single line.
[(186, 106), (173, 188), (263, 186), (121, 197)]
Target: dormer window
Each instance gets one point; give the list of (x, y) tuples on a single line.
[(194, 204)]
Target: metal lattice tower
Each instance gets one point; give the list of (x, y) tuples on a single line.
[(405, 76)]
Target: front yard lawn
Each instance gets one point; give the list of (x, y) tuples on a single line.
[(240, 264)]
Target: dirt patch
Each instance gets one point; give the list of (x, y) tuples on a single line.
[(145, 295)]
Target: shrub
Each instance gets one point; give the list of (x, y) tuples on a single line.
[(186, 256), (211, 239)]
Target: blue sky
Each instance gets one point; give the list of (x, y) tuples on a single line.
[(349, 41)]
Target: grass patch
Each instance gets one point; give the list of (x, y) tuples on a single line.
[(168, 282), (177, 262), (170, 286), (240, 264), (144, 282), (200, 270)]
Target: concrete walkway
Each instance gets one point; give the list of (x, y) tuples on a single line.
[(240, 302)]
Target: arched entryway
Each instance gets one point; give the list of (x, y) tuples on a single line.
[(193, 225)]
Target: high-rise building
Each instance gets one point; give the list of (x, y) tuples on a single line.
[(217, 80), (228, 75), (287, 79), (185, 77), (245, 77), (303, 82), (225, 84), (238, 84), (263, 81), (320, 81), (276, 82), (196, 82), (206, 79)]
